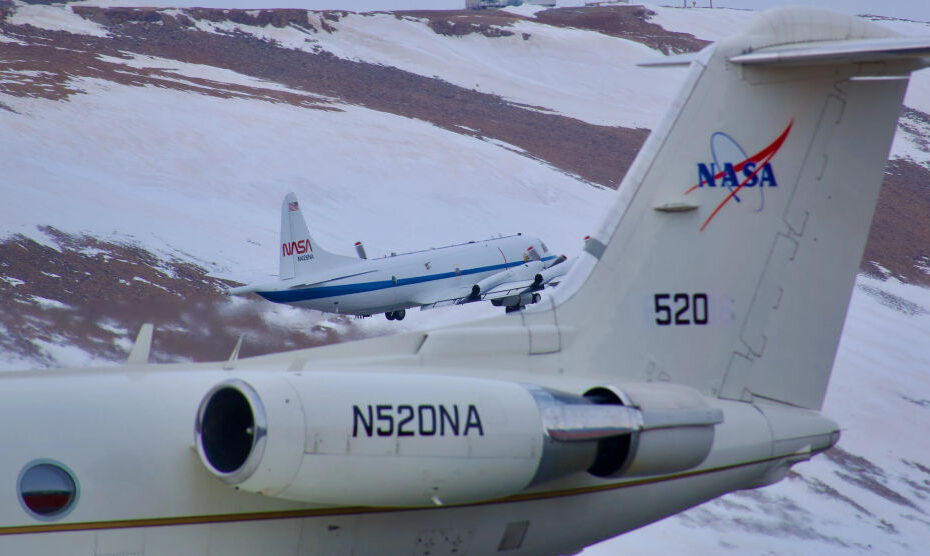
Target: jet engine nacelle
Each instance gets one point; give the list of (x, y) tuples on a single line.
[(677, 431), (398, 439)]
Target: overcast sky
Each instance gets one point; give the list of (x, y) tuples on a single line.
[(905, 9)]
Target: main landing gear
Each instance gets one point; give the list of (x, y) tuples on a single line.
[(396, 315)]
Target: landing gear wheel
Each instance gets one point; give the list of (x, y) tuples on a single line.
[(399, 315), (389, 315)]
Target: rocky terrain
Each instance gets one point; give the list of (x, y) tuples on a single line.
[(48, 61), (44, 62)]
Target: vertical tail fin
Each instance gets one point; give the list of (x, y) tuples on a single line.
[(728, 261), (300, 254)]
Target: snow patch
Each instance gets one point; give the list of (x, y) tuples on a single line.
[(709, 25), (113, 327), (292, 36), (10, 40), (55, 18), (526, 10), (47, 303), (144, 281), (160, 141), (923, 264), (577, 73), (67, 355), (912, 137)]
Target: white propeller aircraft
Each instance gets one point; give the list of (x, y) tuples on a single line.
[(686, 355), (507, 270)]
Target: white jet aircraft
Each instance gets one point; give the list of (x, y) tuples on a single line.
[(686, 355), (507, 270)]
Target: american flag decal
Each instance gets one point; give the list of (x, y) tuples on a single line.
[(292, 206)]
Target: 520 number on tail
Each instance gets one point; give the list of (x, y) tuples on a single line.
[(681, 308)]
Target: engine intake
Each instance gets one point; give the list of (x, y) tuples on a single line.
[(232, 424)]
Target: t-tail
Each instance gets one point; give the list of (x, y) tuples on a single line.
[(728, 261), (299, 253)]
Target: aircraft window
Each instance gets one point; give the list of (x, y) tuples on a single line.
[(545, 249), (47, 489)]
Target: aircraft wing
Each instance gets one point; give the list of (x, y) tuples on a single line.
[(518, 293), (451, 295), (511, 288)]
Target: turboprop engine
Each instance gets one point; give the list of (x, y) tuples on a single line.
[(398, 439), (528, 271)]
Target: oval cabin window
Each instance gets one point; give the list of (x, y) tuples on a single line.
[(47, 489)]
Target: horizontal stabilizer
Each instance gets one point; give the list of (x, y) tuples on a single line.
[(830, 52), (242, 290)]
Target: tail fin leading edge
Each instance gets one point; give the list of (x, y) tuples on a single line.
[(728, 261)]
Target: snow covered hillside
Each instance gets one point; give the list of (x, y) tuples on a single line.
[(145, 153)]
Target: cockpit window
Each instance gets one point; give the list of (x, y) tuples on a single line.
[(545, 249), (47, 489)]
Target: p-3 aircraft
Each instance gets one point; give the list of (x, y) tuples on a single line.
[(684, 356), (507, 270)]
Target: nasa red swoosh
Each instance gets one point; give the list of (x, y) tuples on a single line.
[(760, 158)]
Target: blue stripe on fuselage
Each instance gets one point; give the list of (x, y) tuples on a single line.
[(306, 294)]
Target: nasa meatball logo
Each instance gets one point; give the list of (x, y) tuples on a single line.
[(735, 176)]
